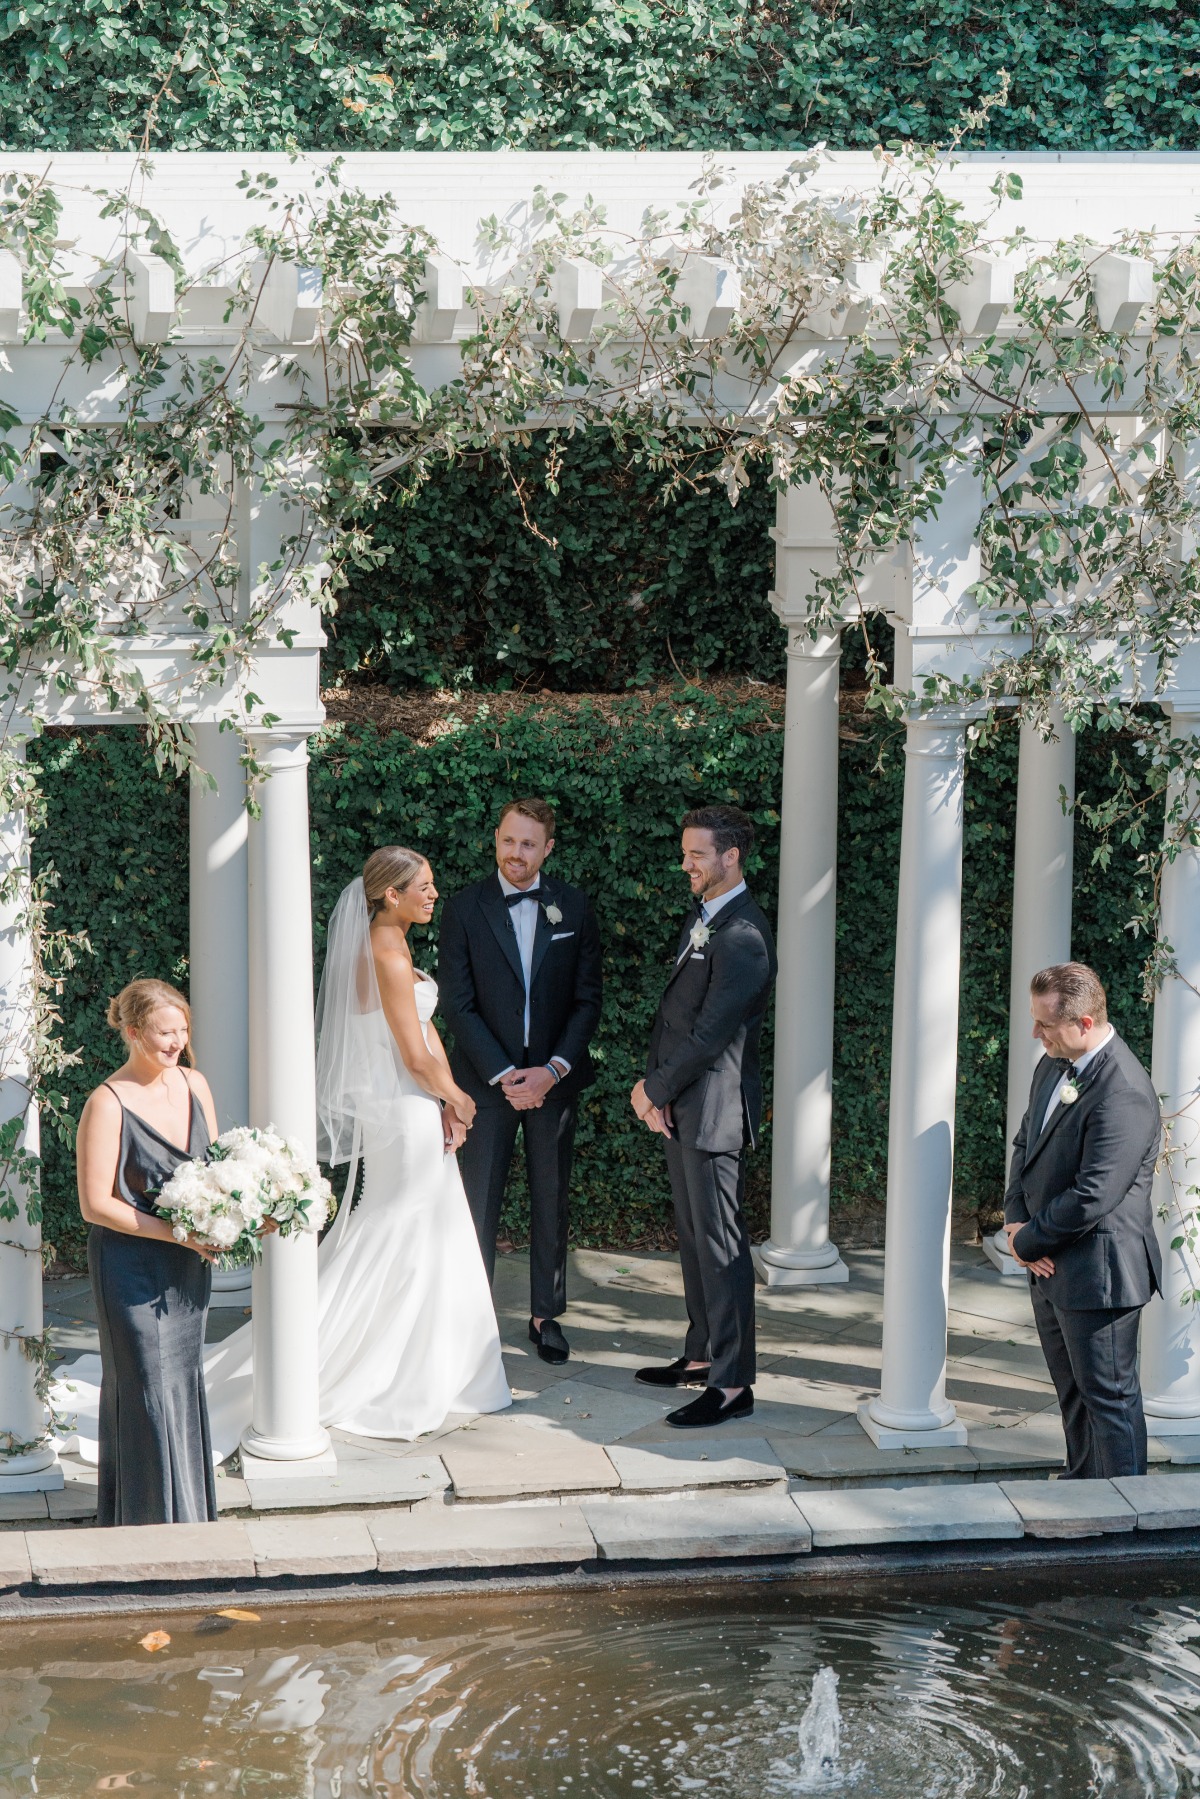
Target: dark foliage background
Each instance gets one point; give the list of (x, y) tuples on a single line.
[(620, 771), (619, 74), (619, 585)]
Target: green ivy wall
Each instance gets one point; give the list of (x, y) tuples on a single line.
[(619, 74)]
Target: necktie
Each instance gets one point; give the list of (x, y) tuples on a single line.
[(530, 893)]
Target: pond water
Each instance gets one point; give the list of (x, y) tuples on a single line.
[(1085, 1683)]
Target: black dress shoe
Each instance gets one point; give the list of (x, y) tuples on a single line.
[(712, 1407), (552, 1346), (676, 1374)]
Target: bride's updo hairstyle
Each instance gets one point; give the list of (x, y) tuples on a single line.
[(392, 866), (132, 1007)]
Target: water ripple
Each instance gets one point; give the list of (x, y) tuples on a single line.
[(664, 1693)]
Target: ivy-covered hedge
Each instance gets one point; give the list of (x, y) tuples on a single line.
[(619, 74), (620, 773), (619, 586)]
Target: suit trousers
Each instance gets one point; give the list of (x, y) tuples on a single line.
[(485, 1159), (714, 1251), (1092, 1358)]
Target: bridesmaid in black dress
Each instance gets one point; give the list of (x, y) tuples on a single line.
[(151, 1292)]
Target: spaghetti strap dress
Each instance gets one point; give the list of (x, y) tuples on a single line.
[(155, 1458)]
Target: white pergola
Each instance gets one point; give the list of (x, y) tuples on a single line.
[(251, 928)]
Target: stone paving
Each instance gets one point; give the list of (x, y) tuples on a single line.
[(583, 1468)]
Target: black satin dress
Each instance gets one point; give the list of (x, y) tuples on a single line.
[(152, 1298)]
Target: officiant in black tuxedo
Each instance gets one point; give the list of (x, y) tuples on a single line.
[(1079, 1217), (703, 1094), (519, 971)]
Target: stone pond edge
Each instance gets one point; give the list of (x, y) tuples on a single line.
[(680, 1530)]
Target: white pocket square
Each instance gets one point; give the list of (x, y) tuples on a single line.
[(695, 956), (559, 936)]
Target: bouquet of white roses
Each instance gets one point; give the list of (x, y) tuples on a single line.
[(249, 1180)]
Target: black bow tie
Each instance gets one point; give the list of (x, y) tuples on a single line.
[(514, 899)]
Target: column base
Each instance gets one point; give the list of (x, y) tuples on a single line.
[(276, 1450), (1172, 1426), (232, 1287), (777, 1267), (887, 1436), (995, 1248), (37, 1472)]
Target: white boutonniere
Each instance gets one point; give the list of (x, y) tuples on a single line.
[(1069, 1094), (553, 915), (700, 935)]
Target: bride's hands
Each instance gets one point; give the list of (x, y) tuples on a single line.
[(454, 1131), (463, 1107)]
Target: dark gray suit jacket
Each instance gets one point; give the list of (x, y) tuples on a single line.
[(703, 1059), (1081, 1187)]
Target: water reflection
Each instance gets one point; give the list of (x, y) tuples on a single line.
[(740, 1691)]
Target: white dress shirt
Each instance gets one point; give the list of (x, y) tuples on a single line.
[(524, 919), (1073, 1073), (710, 908)]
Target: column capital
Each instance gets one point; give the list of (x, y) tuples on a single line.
[(939, 735), (16, 728), (826, 647), (795, 612), (280, 746), (1184, 712)]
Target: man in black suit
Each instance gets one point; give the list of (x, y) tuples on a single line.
[(1078, 1216), (703, 1093), (519, 973)]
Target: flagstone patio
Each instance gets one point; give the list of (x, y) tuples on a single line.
[(586, 1431)]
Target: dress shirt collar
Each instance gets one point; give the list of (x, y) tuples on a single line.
[(506, 886), (710, 908), (1091, 1054)]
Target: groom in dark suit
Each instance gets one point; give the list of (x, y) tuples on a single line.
[(1079, 1217), (520, 980), (703, 1094)]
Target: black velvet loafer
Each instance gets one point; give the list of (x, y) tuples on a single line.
[(711, 1408), (552, 1346), (675, 1374)]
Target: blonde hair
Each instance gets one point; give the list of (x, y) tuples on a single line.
[(392, 866), (134, 1004)]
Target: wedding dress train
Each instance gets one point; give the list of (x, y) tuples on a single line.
[(405, 1325)]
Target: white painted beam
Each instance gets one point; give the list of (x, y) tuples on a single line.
[(150, 296), (712, 292), (10, 298), (439, 313), (579, 296), (1123, 287), (983, 297)]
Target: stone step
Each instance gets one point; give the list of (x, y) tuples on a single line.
[(1069, 1508), (476, 1536), (864, 1515), (698, 1525)]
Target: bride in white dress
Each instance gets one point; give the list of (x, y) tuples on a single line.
[(406, 1328)]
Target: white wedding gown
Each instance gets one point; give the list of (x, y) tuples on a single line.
[(406, 1329)]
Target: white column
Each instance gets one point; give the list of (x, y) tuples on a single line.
[(799, 1252), (286, 1423), (1043, 866), (218, 955), (22, 1413), (912, 1409), (1171, 1323)]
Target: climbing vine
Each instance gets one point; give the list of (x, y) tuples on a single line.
[(838, 360)]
